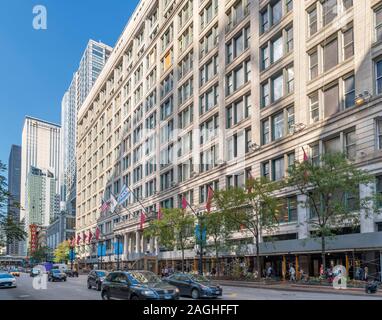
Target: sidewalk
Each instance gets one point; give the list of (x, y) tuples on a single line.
[(286, 286)]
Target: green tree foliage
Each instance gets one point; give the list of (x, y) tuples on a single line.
[(174, 230), (10, 230), (331, 188), (61, 254), (254, 209), (40, 254)]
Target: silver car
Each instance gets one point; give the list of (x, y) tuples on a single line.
[(7, 280)]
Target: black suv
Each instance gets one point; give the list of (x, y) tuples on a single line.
[(137, 285), (95, 279), (56, 275)]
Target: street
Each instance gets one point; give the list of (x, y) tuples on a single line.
[(76, 289)]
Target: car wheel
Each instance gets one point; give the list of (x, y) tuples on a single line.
[(98, 287), (65, 279), (195, 294), (134, 297), (89, 285), (105, 295)]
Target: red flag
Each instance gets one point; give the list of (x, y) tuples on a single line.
[(84, 237), (184, 202), (97, 233), (90, 237), (143, 220), (78, 239), (250, 180), (210, 195), (159, 213), (306, 158)]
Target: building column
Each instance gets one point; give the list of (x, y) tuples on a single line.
[(367, 222), (144, 244), (302, 214), (152, 249), (137, 242)]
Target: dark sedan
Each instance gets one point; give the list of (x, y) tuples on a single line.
[(95, 279), (195, 286), (137, 285), (56, 275)]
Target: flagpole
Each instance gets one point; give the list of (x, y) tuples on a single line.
[(140, 203)]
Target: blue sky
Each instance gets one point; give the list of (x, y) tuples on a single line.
[(36, 66)]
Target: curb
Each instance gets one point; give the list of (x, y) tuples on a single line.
[(302, 288)]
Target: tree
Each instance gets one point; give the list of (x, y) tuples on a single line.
[(218, 230), (61, 254), (331, 188), (254, 209), (10, 230), (174, 230), (40, 254)]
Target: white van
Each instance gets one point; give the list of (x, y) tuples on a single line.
[(60, 266)]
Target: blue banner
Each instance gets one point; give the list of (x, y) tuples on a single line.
[(203, 236), (101, 250), (72, 255), (116, 248)]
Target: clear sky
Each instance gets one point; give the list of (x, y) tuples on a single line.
[(36, 66)]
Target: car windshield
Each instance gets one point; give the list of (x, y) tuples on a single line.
[(101, 273), (5, 276), (143, 277), (199, 278)]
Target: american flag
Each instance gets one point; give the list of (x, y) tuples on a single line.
[(105, 205)]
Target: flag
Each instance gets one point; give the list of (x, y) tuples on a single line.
[(113, 204), (250, 180), (78, 239), (210, 195), (160, 215), (306, 158), (143, 220), (184, 202), (97, 233), (105, 205), (84, 237), (73, 242), (123, 195), (90, 236)]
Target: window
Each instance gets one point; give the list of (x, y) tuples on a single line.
[(277, 88), (379, 189), (379, 134), (313, 65), (185, 117), (333, 145), (289, 39), (186, 65), (347, 4), (208, 13), (314, 107), (265, 132), (349, 86), (330, 11), (290, 80), (277, 49), (348, 37), (238, 111), (265, 170), (208, 100), (331, 103), (264, 21), (238, 44), (166, 109), (278, 126), (350, 145), (287, 210), (265, 61), (208, 71), (209, 42), (208, 129), (208, 158), (378, 24), (276, 12), (167, 37), (378, 76), (265, 94), (278, 169), (315, 154), (313, 23), (330, 55)]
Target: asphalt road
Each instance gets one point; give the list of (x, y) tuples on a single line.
[(76, 289)]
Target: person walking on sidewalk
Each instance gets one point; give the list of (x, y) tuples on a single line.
[(292, 273)]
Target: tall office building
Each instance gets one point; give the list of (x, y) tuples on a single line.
[(40, 149), (92, 62), (14, 178), (203, 93)]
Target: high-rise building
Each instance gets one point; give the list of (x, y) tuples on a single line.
[(92, 62), (14, 179), (40, 149), (205, 93)]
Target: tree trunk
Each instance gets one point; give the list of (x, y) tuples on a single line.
[(323, 252), (258, 259), (217, 261), (182, 259)]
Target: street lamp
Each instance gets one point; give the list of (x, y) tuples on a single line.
[(118, 245), (201, 231)]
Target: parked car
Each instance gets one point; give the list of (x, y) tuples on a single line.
[(137, 285), (35, 272), (95, 279), (71, 273), (196, 286), (56, 275), (7, 280)]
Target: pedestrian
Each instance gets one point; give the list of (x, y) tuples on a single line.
[(213, 272), (292, 273), (269, 272), (366, 274), (166, 272)]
